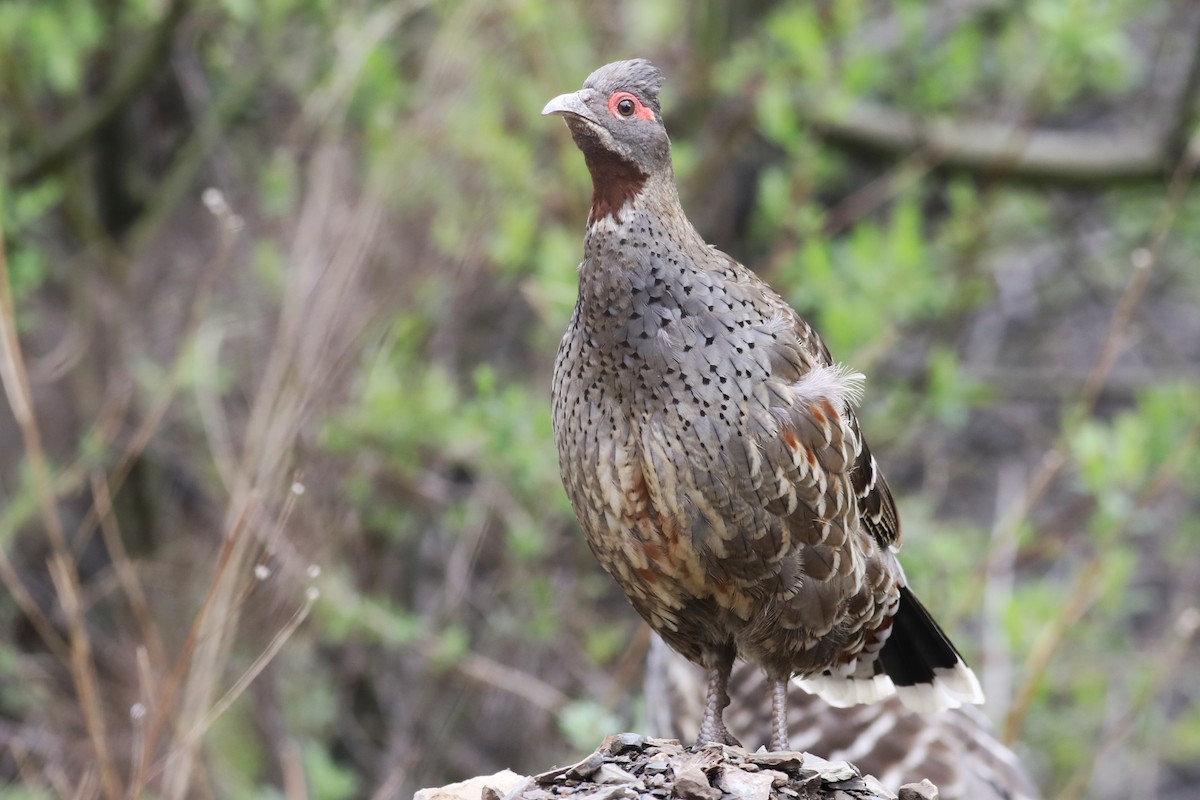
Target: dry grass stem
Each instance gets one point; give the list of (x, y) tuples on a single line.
[(291, 767), (163, 705), (253, 671), (147, 691), (83, 673), (20, 398), (329, 253)]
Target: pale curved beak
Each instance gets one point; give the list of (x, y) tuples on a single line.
[(572, 104)]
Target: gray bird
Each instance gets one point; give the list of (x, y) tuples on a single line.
[(709, 446)]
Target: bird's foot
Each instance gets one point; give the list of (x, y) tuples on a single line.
[(712, 725)]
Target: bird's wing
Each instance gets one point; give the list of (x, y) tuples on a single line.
[(876, 506)]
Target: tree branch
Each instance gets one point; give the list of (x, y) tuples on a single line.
[(1149, 152), (1033, 155)]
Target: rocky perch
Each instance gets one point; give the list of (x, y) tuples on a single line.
[(628, 765)]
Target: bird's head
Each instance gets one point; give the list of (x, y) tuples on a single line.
[(616, 120)]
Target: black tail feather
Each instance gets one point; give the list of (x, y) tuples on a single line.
[(917, 645)]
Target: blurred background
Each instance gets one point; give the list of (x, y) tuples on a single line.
[(280, 513)]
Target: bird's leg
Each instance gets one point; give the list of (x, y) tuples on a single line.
[(779, 728), (712, 726)]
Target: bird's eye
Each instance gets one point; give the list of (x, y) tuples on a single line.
[(626, 107)]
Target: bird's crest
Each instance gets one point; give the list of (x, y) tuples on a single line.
[(637, 75)]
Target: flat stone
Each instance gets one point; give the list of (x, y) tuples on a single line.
[(611, 773), (607, 793), (587, 767), (745, 785), (925, 790), (625, 741), (777, 778), (473, 789), (786, 760), (878, 788), (831, 771), (692, 784)]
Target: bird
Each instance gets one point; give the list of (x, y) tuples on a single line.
[(957, 750), (709, 446)]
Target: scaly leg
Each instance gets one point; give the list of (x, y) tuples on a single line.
[(712, 726), (779, 729)]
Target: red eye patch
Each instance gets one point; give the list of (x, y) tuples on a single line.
[(640, 111)]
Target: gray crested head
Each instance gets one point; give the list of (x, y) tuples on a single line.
[(616, 121), (637, 75)]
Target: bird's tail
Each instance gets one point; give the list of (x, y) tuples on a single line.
[(928, 672), (917, 663)]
